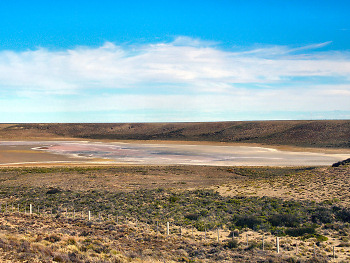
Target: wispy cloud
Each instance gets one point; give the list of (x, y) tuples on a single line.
[(113, 77), (112, 66), (312, 46)]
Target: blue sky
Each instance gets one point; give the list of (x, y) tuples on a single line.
[(140, 61)]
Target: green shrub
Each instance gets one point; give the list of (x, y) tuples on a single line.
[(342, 214), (321, 238), (192, 216), (231, 244), (322, 215), (53, 191), (173, 199), (287, 220), (250, 221), (252, 245), (71, 241), (300, 231)]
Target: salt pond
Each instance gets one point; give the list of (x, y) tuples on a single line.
[(164, 154)]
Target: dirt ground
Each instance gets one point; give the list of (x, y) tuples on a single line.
[(318, 184), (118, 178)]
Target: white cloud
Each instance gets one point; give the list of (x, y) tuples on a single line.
[(242, 100), (312, 46), (194, 42), (210, 79), (196, 64)]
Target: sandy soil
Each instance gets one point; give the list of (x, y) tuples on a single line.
[(322, 184), (23, 154)]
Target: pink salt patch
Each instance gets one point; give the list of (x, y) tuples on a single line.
[(69, 147)]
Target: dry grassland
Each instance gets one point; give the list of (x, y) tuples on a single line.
[(132, 198)]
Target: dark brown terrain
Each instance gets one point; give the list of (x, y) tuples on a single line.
[(320, 133)]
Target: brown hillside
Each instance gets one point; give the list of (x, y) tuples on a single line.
[(325, 133)]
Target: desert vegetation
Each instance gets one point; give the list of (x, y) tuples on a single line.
[(129, 223)]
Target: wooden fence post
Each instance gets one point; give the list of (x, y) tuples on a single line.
[(278, 245), (263, 243), (30, 209)]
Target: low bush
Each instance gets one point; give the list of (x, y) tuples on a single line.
[(342, 214), (250, 221), (232, 244), (287, 220), (192, 216), (53, 191), (204, 209), (322, 215), (300, 231), (321, 238), (52, 238)]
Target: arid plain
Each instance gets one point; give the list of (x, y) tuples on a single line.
[(305, 205)]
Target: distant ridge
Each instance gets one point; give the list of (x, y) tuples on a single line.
[(316, 133)]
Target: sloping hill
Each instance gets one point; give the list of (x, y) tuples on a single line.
[(325, 133)]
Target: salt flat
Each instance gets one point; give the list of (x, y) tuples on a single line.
[(87, 152)]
